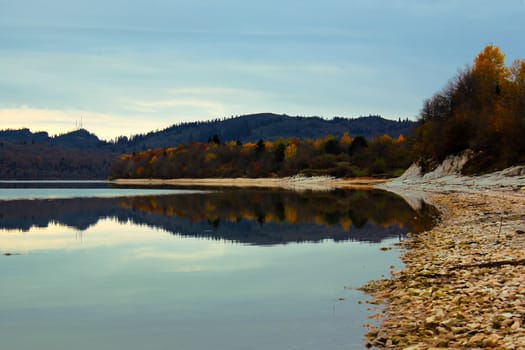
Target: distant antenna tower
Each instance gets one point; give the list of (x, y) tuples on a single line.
[(81, 122)]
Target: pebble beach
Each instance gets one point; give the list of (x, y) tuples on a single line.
[(462, 283)]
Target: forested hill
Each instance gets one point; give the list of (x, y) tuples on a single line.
[(78, 139), (82, 155), (75, 155), (247, 128), (268, 127)]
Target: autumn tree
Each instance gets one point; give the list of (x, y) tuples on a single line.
[(480, 109), (267, 159)]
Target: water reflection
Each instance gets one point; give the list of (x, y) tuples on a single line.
[(250, 216), (123, 282)]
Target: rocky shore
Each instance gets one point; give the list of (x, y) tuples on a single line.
[(462, 285)]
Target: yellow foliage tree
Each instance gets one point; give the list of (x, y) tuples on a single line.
[(247, 148), (209, 157), (400, 139), (489, 65), (345, 140), (290, 215), (290, 151), (232, 144), (493, 78), (346, 223)]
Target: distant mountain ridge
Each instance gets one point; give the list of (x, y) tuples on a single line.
[(82, 155), (80, 138), (269, 127), (246, 128)]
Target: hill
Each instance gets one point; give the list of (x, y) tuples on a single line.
[(268, 127), (75, 155), (82, 155)]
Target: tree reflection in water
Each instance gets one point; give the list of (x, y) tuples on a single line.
[(250, 216)]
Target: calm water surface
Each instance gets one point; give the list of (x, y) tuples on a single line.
[(87, 265)]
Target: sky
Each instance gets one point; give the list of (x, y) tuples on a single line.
[(124, 67)]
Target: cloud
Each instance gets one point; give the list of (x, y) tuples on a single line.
[(105, 126), (217, 91), (201, 253), (207, 107), (200, 103), (135, 116), (132, 244), (181, 61)]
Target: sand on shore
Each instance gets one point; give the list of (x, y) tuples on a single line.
[(318, 183), (462, 283)]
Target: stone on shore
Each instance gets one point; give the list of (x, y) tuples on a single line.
[(462, 285)]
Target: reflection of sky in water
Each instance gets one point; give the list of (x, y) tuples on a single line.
[(53, 193), (140, 244), (129, 286)]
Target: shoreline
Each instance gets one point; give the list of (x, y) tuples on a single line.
[(317, 183), (461, 284)]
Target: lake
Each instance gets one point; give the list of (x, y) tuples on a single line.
[(89, 265)]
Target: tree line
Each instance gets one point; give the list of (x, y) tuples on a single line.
[(482, 109), (266, 126), (32, 160), (340, 157), (82, 155)]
